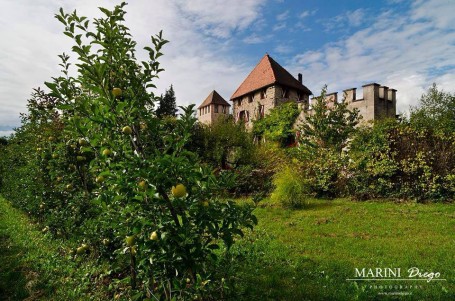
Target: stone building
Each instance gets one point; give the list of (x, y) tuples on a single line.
[(269, 85), (212, 108), (266, 87), (378, 102)]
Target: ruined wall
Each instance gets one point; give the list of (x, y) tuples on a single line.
[(378, 102)]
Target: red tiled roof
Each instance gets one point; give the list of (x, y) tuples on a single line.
[(214, 98), (268, 72)]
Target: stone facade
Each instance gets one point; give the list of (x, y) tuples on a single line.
[(378, 102), (210, 113), (269, 85), (257, 104), (212, 108)]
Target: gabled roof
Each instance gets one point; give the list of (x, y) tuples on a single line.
[(214, 98), (266, 73)]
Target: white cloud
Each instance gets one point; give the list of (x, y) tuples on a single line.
[(279, 26), (397, 50), (195, 60), (283, 49), (283, 16), (218, 17), (255, 38), (348, 19)]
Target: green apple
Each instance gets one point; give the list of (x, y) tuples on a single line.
[(142, 185), (107, 152), (82, 142), (127, 130), (130, 240), (99, 179), (179, 191), (154, 236), (116, 92)]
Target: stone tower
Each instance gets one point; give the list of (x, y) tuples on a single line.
[(267, 86), (212, 108)]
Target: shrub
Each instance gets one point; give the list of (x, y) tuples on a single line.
[(290, 190), (401, 160), (278, 125)]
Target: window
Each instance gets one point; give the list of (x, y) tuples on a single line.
[(243, 116), (208, 109), (261, 111), (239, 102), (285, 93), (250, 98), (263, 92), (216, 108)]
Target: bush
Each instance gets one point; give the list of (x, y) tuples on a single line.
[(290, 190), (401, 160)]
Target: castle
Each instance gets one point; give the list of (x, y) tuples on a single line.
[(268, 85)]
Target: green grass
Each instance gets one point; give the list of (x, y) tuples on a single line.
[(302, 254), (37, 267), (308, 254)]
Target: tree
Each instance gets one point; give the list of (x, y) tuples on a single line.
[(436, 111), (168, 106), (93, 158), (226, 144), (278, 125), (329, 125), (324, 134)]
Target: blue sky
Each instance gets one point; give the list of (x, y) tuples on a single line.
[(214, 44)]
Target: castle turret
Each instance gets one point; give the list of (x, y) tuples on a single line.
[(212, 108)]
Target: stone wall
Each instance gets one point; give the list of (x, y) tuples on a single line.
[(259, 103), (209, 114)]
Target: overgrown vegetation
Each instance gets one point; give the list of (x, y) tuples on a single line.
[(278, 125), (138, 198), (95, 165)]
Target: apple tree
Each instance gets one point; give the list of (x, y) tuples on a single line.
[(145, 201)]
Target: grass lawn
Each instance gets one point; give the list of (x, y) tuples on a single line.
[(302, 254), (308, 254), (33, 266)]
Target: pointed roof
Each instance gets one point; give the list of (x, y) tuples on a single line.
[(214, 98), (266, 73)]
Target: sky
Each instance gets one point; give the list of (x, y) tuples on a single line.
[(214, 44)]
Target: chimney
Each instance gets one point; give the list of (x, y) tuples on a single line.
[(300, 77)]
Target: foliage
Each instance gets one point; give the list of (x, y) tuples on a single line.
[(290, 190), (324, 135), (402, 160), (278, 125), (254, 180), (168, 104), (436, 111), (226, 143), (94, 164), (329, 124)]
